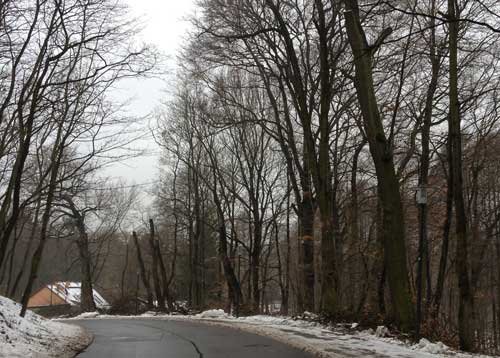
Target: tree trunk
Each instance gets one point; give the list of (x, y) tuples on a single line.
[(388, 184), (231, 279), (142, 268), (255, 259), (124, 271), (87, 294), (156, 279), (307, 235), (466, 322), (82, 242), (163, 270)]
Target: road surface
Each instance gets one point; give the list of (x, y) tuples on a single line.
[(148, 338)]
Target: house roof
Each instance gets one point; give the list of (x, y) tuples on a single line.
[(70, 292)]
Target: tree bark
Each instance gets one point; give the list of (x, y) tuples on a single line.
[(466, 321), (156, 279), (82, 242), (142, 268), (388, 184)]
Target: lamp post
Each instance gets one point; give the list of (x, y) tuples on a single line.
[(421, 199)]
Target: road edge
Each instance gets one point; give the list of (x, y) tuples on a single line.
[(78, 343)]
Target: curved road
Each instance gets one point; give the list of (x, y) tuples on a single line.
[(149, 338)]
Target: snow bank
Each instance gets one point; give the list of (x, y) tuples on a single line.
[(35, 336)]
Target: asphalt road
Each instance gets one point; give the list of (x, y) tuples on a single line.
[(147, 338)]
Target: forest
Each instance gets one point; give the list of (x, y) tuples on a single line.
[(337, 157)]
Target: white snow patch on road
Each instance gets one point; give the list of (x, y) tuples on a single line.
[(35, 336)]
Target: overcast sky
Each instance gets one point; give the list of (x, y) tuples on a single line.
[(165, 27)]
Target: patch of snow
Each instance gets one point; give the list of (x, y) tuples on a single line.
[(310, 316), (354, 325), (87, 315), (435, 348), (213, 314), (369, 332), (382, 332), (35, 336), (149, 314)]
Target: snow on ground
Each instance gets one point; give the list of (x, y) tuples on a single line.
[(213, 314), (87, 315), (35, 336), (322, 341)]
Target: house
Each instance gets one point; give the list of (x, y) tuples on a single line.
[(61, 298)]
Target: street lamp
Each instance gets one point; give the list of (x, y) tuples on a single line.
[(421, 195)]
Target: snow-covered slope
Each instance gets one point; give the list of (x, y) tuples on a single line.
[(35, 336)]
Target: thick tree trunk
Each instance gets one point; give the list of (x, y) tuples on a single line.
[(329, 283), (307, 235), (231, 279), (255, 266), (234, 287), (388, 184), (82, 242), (162, 269), (322, 171), (156, 279), (196, 262), (282, 279), (497, 249), (466, 321), (443, 261), (424, 275), (124, 271), (142, 268), (87, 295)]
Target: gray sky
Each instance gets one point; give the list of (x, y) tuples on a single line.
[(165, 27)]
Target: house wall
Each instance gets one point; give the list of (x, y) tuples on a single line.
[(45, 297)]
